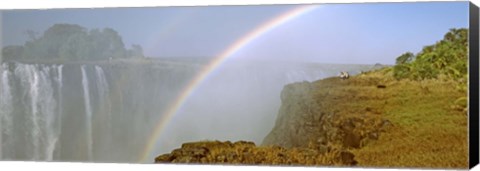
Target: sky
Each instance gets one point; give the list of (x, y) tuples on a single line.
[(332, 33)]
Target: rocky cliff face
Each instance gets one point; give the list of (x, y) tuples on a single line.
[(318, 123), (368, 120), (323, 114), (299, 119), (243, 152)]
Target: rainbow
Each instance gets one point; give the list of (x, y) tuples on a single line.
[(210, 67)]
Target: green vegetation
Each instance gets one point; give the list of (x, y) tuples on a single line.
[(446, 58), (425, 99), (427, 103), (63, 42)]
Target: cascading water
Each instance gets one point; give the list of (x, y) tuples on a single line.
[(103, 91), (58, 126), (29, 81), (107, 112), (88, 113), (6, 121), (38, 92), (104, 110), (48, 114)]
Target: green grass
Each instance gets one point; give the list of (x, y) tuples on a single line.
[(427, 131)]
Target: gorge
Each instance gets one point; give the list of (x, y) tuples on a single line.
[(106, 111)]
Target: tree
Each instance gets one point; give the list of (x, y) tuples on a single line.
[(401, 71), (55, 37), (446, 57), (77, 46), (72, 42), (114, 47), (405, 58), (12, 52)]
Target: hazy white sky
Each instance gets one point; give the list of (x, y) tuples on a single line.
[(333, 33)]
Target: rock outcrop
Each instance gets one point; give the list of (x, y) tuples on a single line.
[(299, 114), (243, 152), (317, 124), (369, 120), (322, 113)]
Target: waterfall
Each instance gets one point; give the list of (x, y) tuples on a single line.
[(29, 81), (6, 121), (88, 112), (103, 91), (106, 112), (47, 105), (42, 114), (60, 101), (105, 108)]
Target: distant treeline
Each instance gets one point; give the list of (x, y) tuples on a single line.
[(446, 58), (66, 42)]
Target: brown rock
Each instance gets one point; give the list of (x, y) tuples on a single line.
[(247, 143), (381, 86), (166, 158), (351, 140), (199, 151), (348, 158), (373, 135), (386, 123)]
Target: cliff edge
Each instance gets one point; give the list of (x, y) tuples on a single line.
[(368, 120), (383, 121)]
